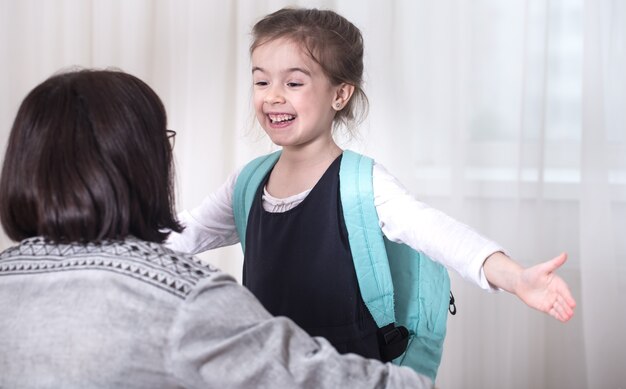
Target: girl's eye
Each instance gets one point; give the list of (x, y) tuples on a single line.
[(294, 84), (260, 83)]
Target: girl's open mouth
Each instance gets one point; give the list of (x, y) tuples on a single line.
[(280, 118)]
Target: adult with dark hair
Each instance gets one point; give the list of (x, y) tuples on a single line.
[(90, 297)]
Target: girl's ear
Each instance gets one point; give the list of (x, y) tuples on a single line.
[(342, 96)]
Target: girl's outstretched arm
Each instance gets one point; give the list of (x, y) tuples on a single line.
[(538, 286), (210, 225)]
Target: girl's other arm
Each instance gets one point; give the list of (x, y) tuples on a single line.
[(210, 225), (403, 219)]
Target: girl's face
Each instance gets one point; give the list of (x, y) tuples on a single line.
[(293, 99)]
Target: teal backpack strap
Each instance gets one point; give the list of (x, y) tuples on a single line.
[(369, 252), (402, 288), (365, 236), (246, 186)]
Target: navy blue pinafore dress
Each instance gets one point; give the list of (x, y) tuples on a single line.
[(299, 265)]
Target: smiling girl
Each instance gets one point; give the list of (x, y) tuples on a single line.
[(307, 69)]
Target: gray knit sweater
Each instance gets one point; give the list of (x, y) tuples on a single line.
[(133, 314)]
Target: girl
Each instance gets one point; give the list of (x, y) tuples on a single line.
[(307, 68)]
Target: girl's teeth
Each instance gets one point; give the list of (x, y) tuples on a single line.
[(280, 118)]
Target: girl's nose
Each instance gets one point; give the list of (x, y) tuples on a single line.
[(274, 96)]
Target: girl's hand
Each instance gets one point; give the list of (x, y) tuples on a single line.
[(540, 288), (537, 286)]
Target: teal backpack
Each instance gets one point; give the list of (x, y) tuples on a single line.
[(406, 292)]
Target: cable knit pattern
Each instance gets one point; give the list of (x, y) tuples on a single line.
[(149, 262)]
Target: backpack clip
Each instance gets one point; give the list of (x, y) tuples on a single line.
[(392, 341), (452, 307)]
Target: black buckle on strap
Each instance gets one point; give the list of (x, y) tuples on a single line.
[(392, 341)]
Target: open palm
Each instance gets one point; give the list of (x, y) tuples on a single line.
[(540, 288)]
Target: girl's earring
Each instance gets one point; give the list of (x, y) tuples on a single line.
[(338, 105)]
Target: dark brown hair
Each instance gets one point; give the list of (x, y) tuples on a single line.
[(331, 41), (88, 159)]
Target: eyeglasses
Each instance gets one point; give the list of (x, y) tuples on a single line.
[(171, 136)]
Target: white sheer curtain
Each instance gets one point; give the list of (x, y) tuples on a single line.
[(507, 115)]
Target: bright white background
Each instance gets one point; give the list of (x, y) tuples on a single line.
[(508, 115)]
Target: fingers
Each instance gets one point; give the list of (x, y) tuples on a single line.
[(566, 296), (555, 314), (561, 310)]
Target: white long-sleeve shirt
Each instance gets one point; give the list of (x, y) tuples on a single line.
[(402, 218)]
